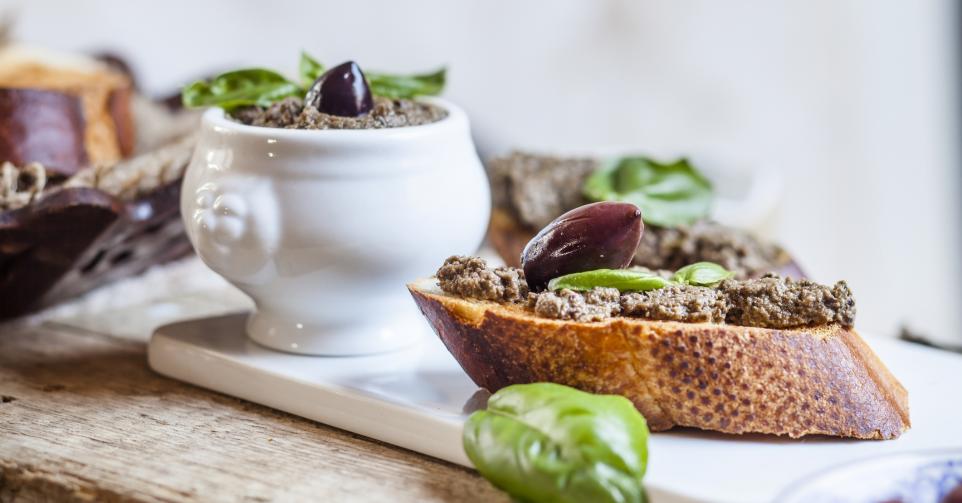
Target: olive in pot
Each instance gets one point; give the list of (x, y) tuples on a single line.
[(601, 235), (342, 91)]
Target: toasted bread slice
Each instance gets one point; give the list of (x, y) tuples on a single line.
[(726, 378)]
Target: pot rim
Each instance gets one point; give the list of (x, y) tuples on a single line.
[(216, 118)]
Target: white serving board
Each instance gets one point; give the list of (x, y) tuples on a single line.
[(418, 399)]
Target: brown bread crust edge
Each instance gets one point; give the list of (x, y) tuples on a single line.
[(731, 379)]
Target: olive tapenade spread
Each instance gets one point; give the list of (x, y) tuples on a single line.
[(771, 301), (471, 277), (536, 189), (733, 249), (291, 113)]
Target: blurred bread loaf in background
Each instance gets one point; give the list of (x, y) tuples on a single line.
[(104, 96)]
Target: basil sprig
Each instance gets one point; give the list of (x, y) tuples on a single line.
[(548, 442), (239, 88), (407, 86), (701, 274), (669, 194), (708, 274), (625, 280), (261, 87), (309, 69)]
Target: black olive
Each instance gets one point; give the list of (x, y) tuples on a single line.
[(601, 235), (341, 91)]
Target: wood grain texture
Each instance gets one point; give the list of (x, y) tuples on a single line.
[(82, 418)]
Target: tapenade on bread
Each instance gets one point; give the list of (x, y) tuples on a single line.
[(530, 190), (771, 301), (693, 347)]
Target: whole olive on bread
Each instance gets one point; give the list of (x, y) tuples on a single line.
[(601, 235)]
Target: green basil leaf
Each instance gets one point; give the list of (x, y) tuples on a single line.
[(195, 94), (407, 86), (702, 274), (669, 194), (625, 280), (548, 442), (253, 86), (309, 69)]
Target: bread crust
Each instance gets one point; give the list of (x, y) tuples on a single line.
[(725, 378)]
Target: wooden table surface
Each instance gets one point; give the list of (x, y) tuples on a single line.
[(82, 418)]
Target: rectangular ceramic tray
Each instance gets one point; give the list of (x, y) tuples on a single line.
[(418, 399)]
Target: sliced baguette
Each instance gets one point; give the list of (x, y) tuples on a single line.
[(732, 379)]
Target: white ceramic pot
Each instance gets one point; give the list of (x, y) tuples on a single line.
[(322, 229)]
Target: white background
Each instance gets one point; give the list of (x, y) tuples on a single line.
[(850, 102)]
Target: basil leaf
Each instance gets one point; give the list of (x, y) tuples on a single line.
[(702, 274), (253, 86), (625, 280), (309, 69), (407, 86), (548, 442), (261, 87), (669, 194)]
